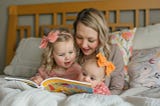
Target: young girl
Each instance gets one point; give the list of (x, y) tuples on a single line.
[(94, 71), (59, 56)]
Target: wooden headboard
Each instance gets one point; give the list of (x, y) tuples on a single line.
[(63, 14)]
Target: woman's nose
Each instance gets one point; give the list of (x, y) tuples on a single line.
[(84, 44)]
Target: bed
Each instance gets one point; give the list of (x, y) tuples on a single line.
[(140, 51)]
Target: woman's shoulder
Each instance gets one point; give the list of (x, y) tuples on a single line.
[(116, 57), (115, 50)]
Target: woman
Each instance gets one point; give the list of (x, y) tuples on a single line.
[(91, 35)]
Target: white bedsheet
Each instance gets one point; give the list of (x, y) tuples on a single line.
[(13, 93)]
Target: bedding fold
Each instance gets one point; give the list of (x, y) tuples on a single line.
[(15, 93)]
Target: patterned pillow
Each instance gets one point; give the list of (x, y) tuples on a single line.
[(124, 39), (144, 68)]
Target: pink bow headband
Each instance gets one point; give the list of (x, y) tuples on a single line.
[(52, 37)]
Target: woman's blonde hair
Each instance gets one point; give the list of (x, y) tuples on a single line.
[(47, 59), (94, 19)]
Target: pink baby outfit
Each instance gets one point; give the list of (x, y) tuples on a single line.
[(71, 73)]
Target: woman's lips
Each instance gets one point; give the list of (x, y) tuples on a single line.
[(85, 50)]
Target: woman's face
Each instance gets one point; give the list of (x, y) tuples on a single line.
[(86, 39)]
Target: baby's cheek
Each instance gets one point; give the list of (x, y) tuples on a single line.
[(80, 77), (94, 83)]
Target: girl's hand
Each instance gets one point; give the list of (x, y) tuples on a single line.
[(37, 79)]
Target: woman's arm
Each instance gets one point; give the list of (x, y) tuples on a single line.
[(116, 80)]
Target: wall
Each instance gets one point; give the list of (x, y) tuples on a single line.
[(4, 17)]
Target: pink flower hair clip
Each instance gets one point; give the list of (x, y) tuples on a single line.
[(52, 37)]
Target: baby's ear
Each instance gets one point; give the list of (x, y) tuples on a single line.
[(103, 79)]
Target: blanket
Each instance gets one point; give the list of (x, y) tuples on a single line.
[(142, 96), (15, 93)]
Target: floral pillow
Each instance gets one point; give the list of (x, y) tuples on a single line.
[(123, 39), (144, 68)]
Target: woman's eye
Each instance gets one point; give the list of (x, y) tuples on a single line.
[(78, 37), (91, 41), (70, 52)]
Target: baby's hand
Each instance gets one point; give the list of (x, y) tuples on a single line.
[(101, 89), (37, 79)]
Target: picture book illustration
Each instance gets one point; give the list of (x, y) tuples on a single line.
[(56, 84)]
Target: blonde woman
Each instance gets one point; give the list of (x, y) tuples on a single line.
[(91, 36)]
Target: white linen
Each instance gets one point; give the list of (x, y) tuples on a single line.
[(15, 93)]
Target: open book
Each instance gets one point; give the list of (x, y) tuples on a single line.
[(56, 84)]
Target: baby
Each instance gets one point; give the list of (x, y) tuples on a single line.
[(94, 71)]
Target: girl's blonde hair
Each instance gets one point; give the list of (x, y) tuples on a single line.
[(94, 19), (63, 36)]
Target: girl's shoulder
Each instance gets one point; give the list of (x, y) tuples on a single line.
[(76, 65)]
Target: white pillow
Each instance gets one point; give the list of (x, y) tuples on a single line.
[(147, 37), (26, 60)]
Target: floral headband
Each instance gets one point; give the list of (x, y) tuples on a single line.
[(52, 37), (103, 62)]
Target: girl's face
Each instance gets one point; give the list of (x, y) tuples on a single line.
[(64, 53), (86, 39), (92, 73)]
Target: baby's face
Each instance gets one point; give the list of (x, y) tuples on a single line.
[(92, 73)]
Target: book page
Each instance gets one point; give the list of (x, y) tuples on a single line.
[(66, 86), (29, 82)]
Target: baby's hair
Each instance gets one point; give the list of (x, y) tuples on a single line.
[(92, 61), (63, 36)]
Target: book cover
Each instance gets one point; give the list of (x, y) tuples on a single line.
[(56, 84)]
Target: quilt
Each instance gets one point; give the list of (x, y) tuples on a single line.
[(15, 93)]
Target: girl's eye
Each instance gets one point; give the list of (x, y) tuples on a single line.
[(61, 54)]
